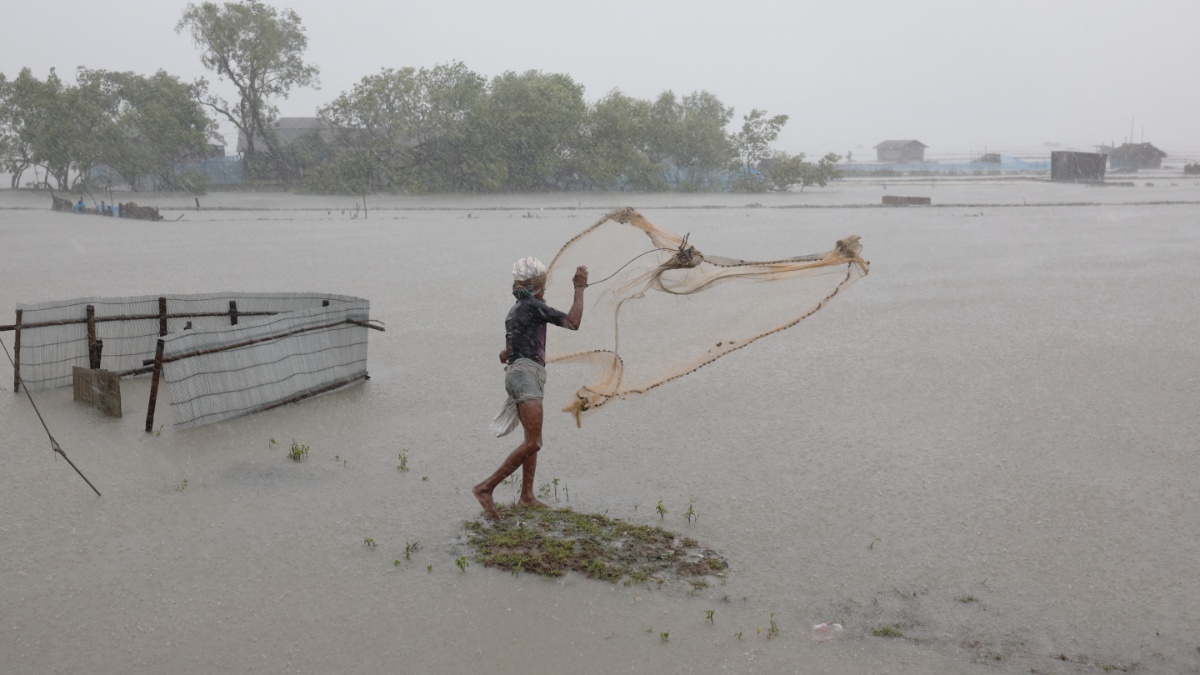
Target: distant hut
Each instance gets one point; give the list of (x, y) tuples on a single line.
[(902, 152), (990, 158), (1076, 167), (300, 141), (289, 130), (1135, 156)]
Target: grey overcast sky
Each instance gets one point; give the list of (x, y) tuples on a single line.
[(959, 75)]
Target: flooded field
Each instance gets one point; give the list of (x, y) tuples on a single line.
[(980, 459)]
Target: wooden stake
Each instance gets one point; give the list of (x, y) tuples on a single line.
[(17, 354), (158, 364), (93, 351), (162, 317), (233, 313)]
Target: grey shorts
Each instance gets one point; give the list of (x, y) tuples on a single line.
[(524, 380)]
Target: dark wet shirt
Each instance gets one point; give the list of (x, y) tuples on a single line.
[(525, 329)]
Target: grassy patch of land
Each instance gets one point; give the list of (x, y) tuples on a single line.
[(552, 542)]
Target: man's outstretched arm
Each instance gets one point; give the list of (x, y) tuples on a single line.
[(575, 315)]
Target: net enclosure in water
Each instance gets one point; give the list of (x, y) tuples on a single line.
[(222, 354), (223, 373), (675, 306)]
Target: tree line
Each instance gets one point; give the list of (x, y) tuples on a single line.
[(138, 126), (439, 129)]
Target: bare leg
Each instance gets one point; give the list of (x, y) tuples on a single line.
[(527, 498), (530, 414)]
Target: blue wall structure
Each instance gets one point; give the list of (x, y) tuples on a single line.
[(219, 170)]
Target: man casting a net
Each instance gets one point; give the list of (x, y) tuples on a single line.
[(525, 355)]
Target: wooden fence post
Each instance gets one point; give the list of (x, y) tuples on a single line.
[(162, 317), (233, 313), (158, 365), (93, 344), (17, 354)]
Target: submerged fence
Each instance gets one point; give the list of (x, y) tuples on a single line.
[(221, 355)]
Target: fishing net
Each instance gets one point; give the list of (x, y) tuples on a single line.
[(673, 308)]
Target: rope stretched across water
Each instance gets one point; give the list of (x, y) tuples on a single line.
[(53, 443)]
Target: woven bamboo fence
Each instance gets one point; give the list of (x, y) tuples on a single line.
[(220, 355)]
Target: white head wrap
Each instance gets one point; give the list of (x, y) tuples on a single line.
[(528, 268)]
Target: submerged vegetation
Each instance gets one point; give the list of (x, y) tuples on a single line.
[(890, 631), (297, 452), (552, 542)]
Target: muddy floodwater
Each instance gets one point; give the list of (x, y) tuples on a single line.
[(982, 458)]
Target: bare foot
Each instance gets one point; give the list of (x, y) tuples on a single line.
[(485, 500), (533, 501)]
